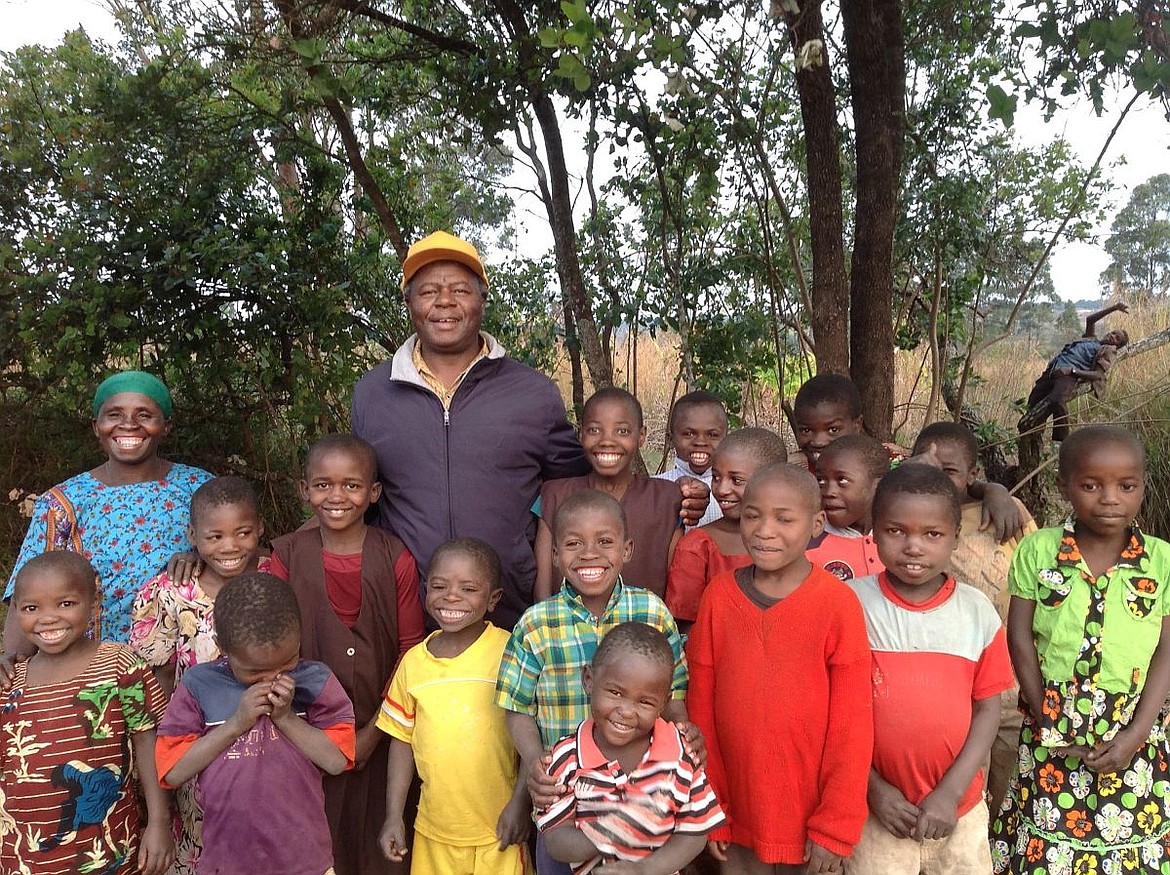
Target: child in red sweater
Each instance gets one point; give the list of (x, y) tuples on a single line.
[(780, 688)]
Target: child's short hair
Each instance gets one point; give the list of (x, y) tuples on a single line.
[(868, 450), (796, 478), (481, 553), (221, 491), (588, 499), (762, 445), (72, 566), (638, 638), (344, 443), (698, 398), (1088, 439), (255, 610), (829, 389), (953, 433), (614, 393), (917, 480)]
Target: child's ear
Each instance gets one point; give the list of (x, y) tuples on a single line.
[(1062, 487), (303, 490), (972, 476), (191, 534), (642, 437), (858, 425), (628, 550), (494, 598), (818, 523), (587, 679), (375, 492)]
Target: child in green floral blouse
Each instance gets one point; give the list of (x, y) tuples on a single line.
[(1089, 634)]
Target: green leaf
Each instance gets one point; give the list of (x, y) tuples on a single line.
[(576, 12), (1002, 105)]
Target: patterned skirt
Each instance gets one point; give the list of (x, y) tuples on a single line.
[(1062, 818)]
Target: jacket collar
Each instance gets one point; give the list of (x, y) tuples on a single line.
[(402, 364)]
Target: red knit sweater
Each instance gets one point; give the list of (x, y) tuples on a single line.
[(783, 698)]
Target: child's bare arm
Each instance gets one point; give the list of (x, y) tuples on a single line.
[(253, 704), (366, 740), (317, 747), (400, 770), (674, 539), (1116, 754), (156, 849), (1093, 318), (542, 549), (165, 675), (1025, 660), (937, 817), (569, 845), (515, 821), (893, 810), (533, 759)]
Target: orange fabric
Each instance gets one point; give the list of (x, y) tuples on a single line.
[(344, 736), (168, 750)]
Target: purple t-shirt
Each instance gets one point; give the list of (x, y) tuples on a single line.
[(263, 806)]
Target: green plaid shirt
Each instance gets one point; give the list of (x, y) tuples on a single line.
[(540, 673)]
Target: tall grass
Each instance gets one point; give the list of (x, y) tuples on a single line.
[(1136, 396)]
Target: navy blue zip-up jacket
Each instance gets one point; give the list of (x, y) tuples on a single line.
[(471, 471)]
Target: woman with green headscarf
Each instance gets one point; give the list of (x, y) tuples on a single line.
[(128, 515)]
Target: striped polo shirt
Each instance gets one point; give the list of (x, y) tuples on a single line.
[(629, 816), (931, 662)]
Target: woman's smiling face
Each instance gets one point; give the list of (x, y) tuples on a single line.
[(129, 427)]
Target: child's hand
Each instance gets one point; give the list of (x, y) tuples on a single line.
[(543, 787), (253, 705), (156, 849), (718, 850), (936, 816), (280, 697), (821, 859), (182, 568), (891, 808), (514, 824), (1114, 755), (392, 839), (7, 672), (1000, 513), (695, 497), (618, 867), (366, 741), (693, 741)]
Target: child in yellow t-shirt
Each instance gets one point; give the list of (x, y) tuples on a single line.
[(473, 815)]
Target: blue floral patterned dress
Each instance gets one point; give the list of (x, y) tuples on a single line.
[(127, 532)]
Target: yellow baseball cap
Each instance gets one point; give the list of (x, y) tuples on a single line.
[(441, 246)]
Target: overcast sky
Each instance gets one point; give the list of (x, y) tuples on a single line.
[(1139, 151)]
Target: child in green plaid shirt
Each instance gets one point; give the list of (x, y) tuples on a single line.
[(540, 682)]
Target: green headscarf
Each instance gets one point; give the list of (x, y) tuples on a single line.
[(133, 381)]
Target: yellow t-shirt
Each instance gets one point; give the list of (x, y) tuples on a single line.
[(445, 709), (983, 562)]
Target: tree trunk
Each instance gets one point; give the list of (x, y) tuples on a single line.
[(818, 109), (874, 48)]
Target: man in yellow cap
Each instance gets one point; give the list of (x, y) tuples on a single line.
[(464, 434)]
